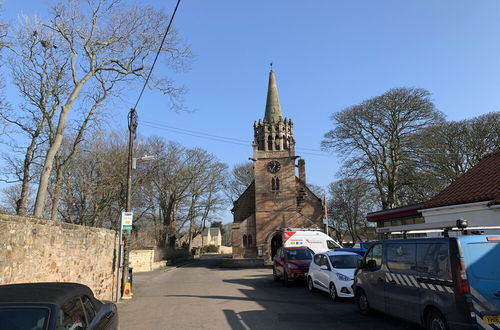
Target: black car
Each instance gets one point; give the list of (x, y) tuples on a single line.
[(54, 306)]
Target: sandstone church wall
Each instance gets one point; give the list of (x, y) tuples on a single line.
[(38, 250)]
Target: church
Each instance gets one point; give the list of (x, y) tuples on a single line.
[(277, 198)]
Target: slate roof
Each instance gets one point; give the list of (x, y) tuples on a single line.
[(480, 183)]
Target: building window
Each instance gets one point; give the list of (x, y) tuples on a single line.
[(249, 243), (269, 143), (244, 240), (275, 184)]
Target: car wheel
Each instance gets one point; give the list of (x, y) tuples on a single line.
[(333, 291), (285, 279), (362, 302), (435, 321), (310, 284), (275, 276)]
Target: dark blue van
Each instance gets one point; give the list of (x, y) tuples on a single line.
[(440, 283)]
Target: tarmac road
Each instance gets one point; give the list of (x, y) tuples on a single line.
[(200, 295)]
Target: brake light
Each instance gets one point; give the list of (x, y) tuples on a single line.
[(464, 284), (493, 238)]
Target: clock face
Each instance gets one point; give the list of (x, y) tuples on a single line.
[(274, 166)]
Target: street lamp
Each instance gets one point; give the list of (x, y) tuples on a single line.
[(143, 158)]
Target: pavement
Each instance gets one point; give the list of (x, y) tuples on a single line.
[(198, 294)]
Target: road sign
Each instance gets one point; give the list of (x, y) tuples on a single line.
[(127, 220)]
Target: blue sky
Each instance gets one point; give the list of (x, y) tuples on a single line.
[(327, 55)]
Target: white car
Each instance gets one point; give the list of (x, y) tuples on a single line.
[(333, 272)]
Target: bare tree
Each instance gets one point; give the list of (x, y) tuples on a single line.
[(107, 39), (449, 149), (41, 80), (350, 201), (240, 177), (204, 198), (93, 185), (375, 137)]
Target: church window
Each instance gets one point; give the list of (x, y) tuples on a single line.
[(269, 143), (249, 242), (244, 240), (275, 184), (277, 143)]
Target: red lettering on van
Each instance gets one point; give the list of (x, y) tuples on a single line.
[(289, 234)]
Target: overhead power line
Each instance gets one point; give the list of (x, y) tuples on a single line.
[(157, 53), (219, 138)]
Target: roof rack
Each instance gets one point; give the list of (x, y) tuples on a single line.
[(301, 229), (437, 227)]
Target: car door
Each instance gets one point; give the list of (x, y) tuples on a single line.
[(373, 282), (314, 267), (324, 274), (402, 291)]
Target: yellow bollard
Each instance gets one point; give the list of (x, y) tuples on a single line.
[(127, 291)]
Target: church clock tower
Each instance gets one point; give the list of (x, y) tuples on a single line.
[(277, 198), (274, 169)]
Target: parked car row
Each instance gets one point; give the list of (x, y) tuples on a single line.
[(440, 282), (331, 271)]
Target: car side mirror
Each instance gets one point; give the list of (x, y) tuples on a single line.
[(361, 264), (324, 267), (371, 264)]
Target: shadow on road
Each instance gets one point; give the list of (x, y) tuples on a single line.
[(286, 307)]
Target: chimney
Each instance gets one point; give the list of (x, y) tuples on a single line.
[(302, 170)]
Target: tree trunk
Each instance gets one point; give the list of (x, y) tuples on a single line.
[(54, 148), (57, 194)]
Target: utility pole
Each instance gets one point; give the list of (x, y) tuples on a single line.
[(132, 127), (325, 215)]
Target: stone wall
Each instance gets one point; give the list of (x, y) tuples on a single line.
[(142, 260), (38, 250)]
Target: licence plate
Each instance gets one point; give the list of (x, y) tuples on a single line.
[(491, 319)]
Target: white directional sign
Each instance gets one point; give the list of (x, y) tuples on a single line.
[(127, 220)]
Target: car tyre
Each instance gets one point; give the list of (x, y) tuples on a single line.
[(435, 321), (310, 284), (275, 276), (333, 292), (285, 279), (362, 302)]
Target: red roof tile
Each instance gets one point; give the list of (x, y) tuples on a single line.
[(480, 183)]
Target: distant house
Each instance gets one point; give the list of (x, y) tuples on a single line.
[(475, 196), (209, 236)]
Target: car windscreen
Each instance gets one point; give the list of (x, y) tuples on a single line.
[(33, 318), (344, 261), (299, 255)]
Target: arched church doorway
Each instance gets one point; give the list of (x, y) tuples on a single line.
[(276, 243)]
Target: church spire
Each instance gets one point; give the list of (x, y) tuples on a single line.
[(273, 108)]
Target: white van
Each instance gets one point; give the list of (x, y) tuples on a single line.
[(314, 239)]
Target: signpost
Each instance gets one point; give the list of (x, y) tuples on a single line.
[(127, 220)]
